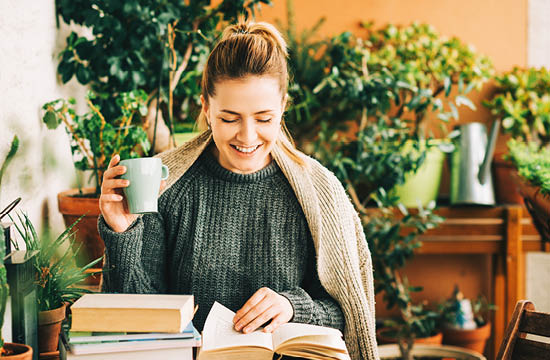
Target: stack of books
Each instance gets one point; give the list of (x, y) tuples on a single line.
[(131, 326)]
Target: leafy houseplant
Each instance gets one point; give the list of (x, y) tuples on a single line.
[(56, 277), (157, 47), (95, 138), (522, 103)]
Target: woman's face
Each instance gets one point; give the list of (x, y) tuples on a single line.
[(245, 118)]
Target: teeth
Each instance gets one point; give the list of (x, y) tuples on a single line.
[(246, 150)]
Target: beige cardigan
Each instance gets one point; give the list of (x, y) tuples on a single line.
[(343, 258)]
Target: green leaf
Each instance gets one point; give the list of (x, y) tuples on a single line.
[(463, 100), (51, 121)]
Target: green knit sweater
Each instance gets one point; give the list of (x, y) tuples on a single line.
[(221, 236)]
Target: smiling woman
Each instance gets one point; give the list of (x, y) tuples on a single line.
[(245, 219)]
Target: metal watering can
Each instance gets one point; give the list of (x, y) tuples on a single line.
[(471, 180)]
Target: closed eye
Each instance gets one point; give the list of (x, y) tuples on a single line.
[(264, 120), (227, 120)]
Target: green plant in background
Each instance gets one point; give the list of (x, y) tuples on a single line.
[(94, 139), (532, 163), (56, 273), (522, 102), (4, 288), (452, 315), (158, 47)]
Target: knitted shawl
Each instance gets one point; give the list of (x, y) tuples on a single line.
[(343, 258)]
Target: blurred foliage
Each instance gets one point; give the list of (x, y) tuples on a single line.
[(94, 140), (522, 102), (451, 313), (532, 163)]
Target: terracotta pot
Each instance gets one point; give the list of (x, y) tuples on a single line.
[(72, 207), (537, 204), (436, 339), (469, 339), (17, 351), (506, 189), (49, 326)]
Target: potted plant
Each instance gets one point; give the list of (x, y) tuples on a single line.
[(8, 350), (465, 322), (163, 55), (533, 180), (94, 140), (522, 102), (56, 277)]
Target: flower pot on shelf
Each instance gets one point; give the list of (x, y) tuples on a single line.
[(391, 351), (505, 187), (49, 326), (470, 339), (537, 204), (72, 207), (16, 351), (423, 186)]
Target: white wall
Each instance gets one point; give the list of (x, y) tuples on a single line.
[(29, 44)]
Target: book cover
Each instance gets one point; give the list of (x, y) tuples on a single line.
[(132, 313), (221, 341), (87, 337), (133, 345)]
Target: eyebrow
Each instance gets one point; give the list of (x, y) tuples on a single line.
[(256, 113)]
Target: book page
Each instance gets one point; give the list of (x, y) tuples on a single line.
[(289, 331), (219, 332)]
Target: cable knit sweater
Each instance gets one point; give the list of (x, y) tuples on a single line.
[(221, 236), (344, 263)]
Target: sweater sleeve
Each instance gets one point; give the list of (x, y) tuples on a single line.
[(311, 302), (135, 260)]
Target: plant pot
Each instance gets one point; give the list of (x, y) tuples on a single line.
[(17, 351), (49, 326), (469, 339), (423, 186), (505, 187), (436, 339), (87, 235), (392, 352), (537, 204)]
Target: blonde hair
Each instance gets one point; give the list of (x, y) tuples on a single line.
[(245, 49)]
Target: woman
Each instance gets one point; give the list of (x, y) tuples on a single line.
[(244, 218)]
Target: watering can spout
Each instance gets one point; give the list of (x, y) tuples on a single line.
[(485, 168)]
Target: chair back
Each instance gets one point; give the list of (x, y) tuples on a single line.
[(526, 320)]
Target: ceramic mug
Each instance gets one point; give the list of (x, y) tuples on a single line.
[(145, 175)]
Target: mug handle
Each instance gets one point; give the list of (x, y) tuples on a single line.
[(165, 172)]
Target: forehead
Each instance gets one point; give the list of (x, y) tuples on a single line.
[(249, 94)]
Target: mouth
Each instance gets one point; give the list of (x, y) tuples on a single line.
[(246, 150)]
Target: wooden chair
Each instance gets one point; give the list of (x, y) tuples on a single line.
[(525, 320)]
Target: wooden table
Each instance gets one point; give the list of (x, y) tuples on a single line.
[(505, 232)]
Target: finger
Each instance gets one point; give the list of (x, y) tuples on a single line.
[(111, 197), (114, 160), (261, 319), (250, 303), (253, 313), (162, 184), (114, 172), (115, 183), (277, 321)]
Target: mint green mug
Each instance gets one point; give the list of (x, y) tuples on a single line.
[(145, 175)]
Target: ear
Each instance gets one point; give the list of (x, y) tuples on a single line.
[(285, 102), (205, 110)]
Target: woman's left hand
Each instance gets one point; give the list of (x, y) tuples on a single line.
[(263, 306)]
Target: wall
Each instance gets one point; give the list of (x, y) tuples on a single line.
[(43, 166)]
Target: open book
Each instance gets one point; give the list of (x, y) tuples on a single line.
[(221, 341)]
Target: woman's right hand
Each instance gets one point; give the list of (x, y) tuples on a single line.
[(112, 203)]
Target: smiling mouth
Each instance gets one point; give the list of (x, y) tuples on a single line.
[(245, 150)]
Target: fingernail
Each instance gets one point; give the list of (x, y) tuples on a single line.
[(246, 330), (267, 329)]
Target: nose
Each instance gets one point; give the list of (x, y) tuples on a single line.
[(247, 131)]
